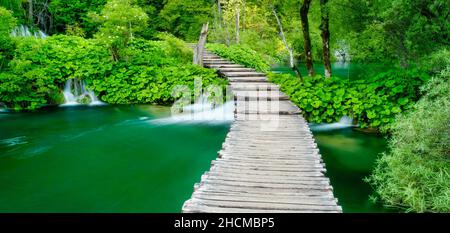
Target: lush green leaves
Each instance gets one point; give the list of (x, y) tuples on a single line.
[(7, 23), (372, 102), (154, 68), (241, 54), (414, 173), (184, 19), (120, 20), (67, 13)]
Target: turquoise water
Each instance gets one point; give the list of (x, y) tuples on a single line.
[(350, 156), (118, 159), (101, 159), (349, 71)]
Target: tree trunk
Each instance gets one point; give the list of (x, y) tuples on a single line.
[(307, 40), (325, 33), (219, 9), (198, 52), (238, 38), (283, 38), (30, 12)]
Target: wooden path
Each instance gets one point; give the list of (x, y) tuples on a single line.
[(269, 161)]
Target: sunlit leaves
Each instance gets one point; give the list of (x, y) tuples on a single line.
[(373, 102)]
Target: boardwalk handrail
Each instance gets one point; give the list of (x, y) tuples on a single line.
[(200, 47)]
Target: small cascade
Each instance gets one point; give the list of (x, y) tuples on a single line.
[(202, 111), (342, 52), (344, 122), (3, 107), (24, 31), (75, 93)]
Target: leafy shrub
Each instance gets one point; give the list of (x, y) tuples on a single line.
[(436, 62), (372, 102), (120, 20), (7, 23), (414, 173), (242, 55), (41, 67), (155, 68), (183, 18), (176, 48), (130, 83)]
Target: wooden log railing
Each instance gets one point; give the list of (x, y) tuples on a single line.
[(200, 47)]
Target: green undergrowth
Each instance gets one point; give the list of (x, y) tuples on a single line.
[(241, 54), (414, 174), (147, 74), (372, 102)]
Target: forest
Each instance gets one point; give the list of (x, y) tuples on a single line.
[(137, 51)]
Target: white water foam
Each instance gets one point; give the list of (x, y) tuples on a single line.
[(202, 111), (344, 122), (75, 90), (24, 31)]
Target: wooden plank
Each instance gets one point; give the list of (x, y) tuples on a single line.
[(276, 170)]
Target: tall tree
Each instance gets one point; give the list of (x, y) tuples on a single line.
[(286, 44), (119, 19), (325, 33), (304, 9), (233, 14), (30, 12)]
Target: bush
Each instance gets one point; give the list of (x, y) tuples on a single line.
[(130, 83), (242, 55), (7, 23), (176, 48), (119, 21), (436, 62), (41, 67), (372, 102), (415, 173)]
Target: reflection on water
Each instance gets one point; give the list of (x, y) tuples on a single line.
[(350, 71), (349, 156), (101, 159)]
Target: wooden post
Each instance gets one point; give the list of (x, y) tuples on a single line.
[(200, 47)]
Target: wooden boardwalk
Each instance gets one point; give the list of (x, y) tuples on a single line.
[(269, 161)]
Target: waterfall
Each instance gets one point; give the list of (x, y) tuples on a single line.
[(344, 122), (342, 52), (24, 31), (3, 107), (76, 93), (202, 111)]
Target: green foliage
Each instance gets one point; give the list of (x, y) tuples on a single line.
[(41, 67), (152, 8), (242, 55), (68, 13), (120, 20), (400, 31), (372, 102), (184, 19), (7, 23), (154, 68), (75, 30), (15, 6), (151, 74), (436, 62), (176, 48), (415, 173), (150, 84)]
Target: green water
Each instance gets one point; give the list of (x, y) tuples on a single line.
[(101, 159), (350, 71), (350, 156), (116, 159)]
